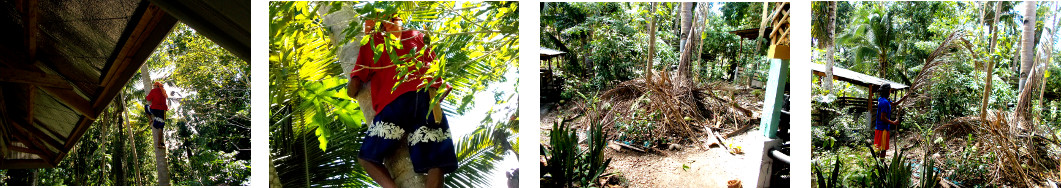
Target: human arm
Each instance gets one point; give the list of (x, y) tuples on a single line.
[(360, 74), (437, 109), (353, 87), (889, 121)]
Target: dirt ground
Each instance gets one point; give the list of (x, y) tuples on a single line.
[(707, 167)]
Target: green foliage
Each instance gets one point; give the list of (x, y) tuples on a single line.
[(212, 122), (478, 151), (607, 42), (602, 44), (744, 14), (567, 164), (637, 128), (316, 128), (833, 180), (855, 166), (891, 173)]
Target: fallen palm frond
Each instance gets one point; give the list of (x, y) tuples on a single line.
[(1019, 155), (679, 111)]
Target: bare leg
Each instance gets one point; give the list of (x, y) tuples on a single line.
[(378, 172), (158, 137), (434, 178)]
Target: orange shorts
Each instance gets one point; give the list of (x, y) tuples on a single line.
[(880, 140)]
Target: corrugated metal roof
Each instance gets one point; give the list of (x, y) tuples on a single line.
[(549, 52), (846, 75)]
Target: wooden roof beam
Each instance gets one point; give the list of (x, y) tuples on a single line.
[(16, 58), (26, 140), (26, 150), (32, 16), (6, 140), (71, 99), (29, 102), (142, 35), (38, 135), (54, 63), (33, 78), (227, 23), (25, 164)]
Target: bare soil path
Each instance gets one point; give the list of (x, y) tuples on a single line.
[(707, 167)]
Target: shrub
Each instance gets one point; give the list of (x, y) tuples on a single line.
[(567, 164)]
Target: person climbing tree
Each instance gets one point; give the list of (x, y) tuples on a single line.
[(157, 100), (402, 106), (884, 122)]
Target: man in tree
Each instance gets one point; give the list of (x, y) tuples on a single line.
[(884, 121), (402, 106), (157, 100)]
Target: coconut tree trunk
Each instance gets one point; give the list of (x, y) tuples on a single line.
[(651, 43), (690, 40), (1028, 43), (161, 164), (1027, 60), (399, 164), (687, 23), (132, 143), (829, 49), (274, 177), (118, 164)]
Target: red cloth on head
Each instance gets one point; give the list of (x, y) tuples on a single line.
[(382, 74), (158, 101)]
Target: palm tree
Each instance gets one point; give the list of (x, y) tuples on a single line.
[(161, 164), (1027, 43), (873, 37), (824, 31)]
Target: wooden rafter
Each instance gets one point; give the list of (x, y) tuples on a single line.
[(36, 78), (4, 126), (26, 150), (32, 15), (220, 21), (36, 135), (52, 62), (48, 63), (73, 100), (29, 102), (26, 140), (26, 163)]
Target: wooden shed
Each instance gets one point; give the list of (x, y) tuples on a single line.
[(63, 61), (871, 83)]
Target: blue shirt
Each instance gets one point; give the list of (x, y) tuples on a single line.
[(884, 106)]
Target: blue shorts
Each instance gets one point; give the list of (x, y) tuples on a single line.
[(430, 143), (158, 118)]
